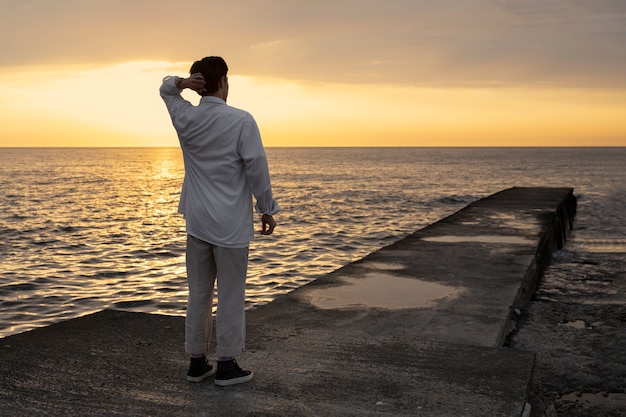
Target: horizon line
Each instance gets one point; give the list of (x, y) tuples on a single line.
[(327, 147)]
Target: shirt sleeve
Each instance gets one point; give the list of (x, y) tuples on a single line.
[(175, 103), (255, 161)]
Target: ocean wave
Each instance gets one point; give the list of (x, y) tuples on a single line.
[(456, 199), (105, 233)]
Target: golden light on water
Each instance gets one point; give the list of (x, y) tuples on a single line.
[(87, 229)]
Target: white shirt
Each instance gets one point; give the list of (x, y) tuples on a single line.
[(225, 165)]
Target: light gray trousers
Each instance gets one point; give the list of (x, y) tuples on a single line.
[(205, 263)]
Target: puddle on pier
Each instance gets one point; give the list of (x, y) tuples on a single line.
[(480, 239), (384, 266), (380, 290), (603, 245), (578, 324), (514, 221)]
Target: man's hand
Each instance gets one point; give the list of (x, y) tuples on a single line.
[(195, 82), (268, 224)]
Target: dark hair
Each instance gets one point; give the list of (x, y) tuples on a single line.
[(212, 68)]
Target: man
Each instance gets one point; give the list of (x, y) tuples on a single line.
[(225, 165)]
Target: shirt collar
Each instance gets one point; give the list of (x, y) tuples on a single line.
[(211, 99)]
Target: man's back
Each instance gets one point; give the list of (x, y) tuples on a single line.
[(225, 164)]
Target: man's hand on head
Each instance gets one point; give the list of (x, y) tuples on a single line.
[(194, 82)]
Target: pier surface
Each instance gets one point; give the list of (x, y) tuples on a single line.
[(416, 328)]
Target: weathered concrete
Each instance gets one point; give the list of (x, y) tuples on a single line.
[(429, 344)]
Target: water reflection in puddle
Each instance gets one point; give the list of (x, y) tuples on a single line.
[(578, 324), (480, 238), (604, 245), (514, 220), (382, 291), (384, 266)]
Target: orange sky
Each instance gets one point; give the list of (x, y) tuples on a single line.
[(327, 73)]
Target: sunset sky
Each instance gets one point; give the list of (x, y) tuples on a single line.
[(320, 73)]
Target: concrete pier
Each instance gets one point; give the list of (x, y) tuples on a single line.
[(414, 329)]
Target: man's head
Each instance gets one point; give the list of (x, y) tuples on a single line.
[(214, 70)]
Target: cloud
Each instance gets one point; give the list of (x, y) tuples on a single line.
[(568, 43), (119, 105)]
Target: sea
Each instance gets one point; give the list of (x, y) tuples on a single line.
[(86, 229)]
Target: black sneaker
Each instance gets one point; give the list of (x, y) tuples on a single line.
[(229, 373), (199, 369)]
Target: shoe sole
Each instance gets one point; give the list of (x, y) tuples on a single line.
[(201, 377), (234, 381)]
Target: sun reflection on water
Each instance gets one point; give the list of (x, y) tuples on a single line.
[(86, 229)]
